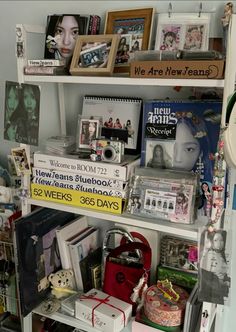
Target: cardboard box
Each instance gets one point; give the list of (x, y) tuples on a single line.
[(206, 69), (102, 311)]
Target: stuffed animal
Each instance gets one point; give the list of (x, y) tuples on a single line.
[(62, 283)]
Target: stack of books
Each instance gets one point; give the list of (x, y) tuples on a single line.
[(83, 183), (79, 249)]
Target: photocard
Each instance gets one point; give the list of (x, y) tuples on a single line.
[(88, 131), (21, 160), (159, 153)]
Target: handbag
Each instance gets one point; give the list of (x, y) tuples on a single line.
[(110, 237), (125, 278)]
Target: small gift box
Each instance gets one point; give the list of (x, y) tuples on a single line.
[(103, 311)]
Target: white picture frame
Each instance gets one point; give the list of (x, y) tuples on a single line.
[(186, 31)]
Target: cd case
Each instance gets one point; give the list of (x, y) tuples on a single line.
[(163, 194), (60, 144)]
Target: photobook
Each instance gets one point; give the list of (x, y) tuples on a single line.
[(181, 135)]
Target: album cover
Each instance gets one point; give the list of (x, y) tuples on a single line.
[(181, 135), (22, 111), (30, 231), (59, 29)]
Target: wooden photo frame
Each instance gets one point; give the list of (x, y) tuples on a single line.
[(179, 31), (94, 55), (135, 29)]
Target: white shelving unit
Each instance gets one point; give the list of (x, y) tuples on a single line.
[(187, 231), (125, 81)]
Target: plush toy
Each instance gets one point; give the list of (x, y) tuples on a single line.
[(62, 283)]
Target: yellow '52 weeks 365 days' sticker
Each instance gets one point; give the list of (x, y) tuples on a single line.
[(77, 198)]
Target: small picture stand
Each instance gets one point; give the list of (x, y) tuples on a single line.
[(88, 130)]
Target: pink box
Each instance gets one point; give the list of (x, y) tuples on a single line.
[(103, 311)]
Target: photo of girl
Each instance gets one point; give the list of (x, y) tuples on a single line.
[(194, 37), (206, 199), (157, 160), (61, 34), (88, 132), (168, 38), (12, 104), (124, 48), (214, 281), (169, 42), (22, 113)]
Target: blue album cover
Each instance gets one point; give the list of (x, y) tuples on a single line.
[(181, 135)]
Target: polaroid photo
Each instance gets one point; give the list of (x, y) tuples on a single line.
[(21, 160), (89, 130)]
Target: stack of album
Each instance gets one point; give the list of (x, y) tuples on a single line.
[(80, 182), (60, 144)]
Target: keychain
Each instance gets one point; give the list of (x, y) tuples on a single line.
[(139, 290)]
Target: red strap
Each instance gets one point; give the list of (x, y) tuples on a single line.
[(136, 236), (131, 247)]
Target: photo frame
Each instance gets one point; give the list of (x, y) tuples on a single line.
[(88, 131), (94, 55), (187, 31), (135, 29)]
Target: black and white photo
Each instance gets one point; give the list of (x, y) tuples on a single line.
[(214, 280)]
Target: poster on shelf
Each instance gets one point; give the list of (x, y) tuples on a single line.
[(22, 111), (182, 135)]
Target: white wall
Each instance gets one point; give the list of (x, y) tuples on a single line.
[(35, 12)]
